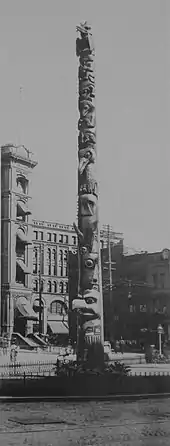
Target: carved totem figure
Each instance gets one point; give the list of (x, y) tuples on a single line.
[(88, 304)]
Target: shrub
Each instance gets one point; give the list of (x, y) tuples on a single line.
[(153, 357), (73, 369)]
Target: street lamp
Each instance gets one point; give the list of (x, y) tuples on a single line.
[(160, 332)]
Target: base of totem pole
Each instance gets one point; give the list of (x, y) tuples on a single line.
[(91, 354), (94, 354)]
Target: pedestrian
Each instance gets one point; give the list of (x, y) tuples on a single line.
[(122, 342), (12, 353)]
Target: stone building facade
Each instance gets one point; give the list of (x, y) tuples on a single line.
[(52, 243), (17, 314)]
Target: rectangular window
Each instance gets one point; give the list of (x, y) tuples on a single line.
[(49, 236), (65, 271), (41, 235), (35, 268), (36, 235), (162, 280), (143, 308), (61, 238), (132, 308), (55, 237), (49, 270), (155, 280), (54, 270), (66, 238), (61, 271), (74, 239)]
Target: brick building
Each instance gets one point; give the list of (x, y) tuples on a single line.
[(140, 299)]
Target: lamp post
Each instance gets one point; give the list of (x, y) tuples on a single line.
[(40, 293), (160, 332)]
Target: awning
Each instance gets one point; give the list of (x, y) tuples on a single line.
[(25, 309), (23, 237), (58, 327), (23, 208), (22, 265)]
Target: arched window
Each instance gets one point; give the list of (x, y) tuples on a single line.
[(66, 287), (35, 255), (65, 271), (54, 270), (35, 285), (49, 254), (42, 285), (49, 269), (54, 255), (22, 184), (65, 256), (60, 257), (57, 307), (61, 287), (49, 286), (61, 271), (55, 287)]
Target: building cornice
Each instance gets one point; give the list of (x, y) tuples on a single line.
[(19, 154)]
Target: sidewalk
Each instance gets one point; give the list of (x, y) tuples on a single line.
[(32, 356), (27, 356)]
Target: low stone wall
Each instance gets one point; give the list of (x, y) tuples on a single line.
[(85, 385)]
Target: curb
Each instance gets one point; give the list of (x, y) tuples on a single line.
[(20, 399)]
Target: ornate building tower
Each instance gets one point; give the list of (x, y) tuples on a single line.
[(89, 303), (16, 240)]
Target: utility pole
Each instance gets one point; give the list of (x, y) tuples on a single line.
[(109, 267), (40, 291)]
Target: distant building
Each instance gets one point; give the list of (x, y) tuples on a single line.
[(140, 296)]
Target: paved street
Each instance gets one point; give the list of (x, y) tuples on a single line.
[(146, 422)]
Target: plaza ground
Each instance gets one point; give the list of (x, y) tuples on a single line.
[(144, 422), (34, 362)]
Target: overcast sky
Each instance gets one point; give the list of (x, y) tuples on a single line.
[(37, 52)]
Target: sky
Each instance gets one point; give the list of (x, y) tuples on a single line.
[(37, 53)]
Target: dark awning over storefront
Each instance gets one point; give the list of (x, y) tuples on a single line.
[(58, 327), (23, 208), (25, 309), (22, 265), (23, 237)]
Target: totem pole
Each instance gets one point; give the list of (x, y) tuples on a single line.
[(89, 303)]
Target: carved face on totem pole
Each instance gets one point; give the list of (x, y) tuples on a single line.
[(87, 157), (88, 306), (86, 137)]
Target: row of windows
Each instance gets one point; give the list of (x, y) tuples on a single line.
[(52, 287), (53, 237), (52, 270), (51, 254), (143, 309), (52, 262)]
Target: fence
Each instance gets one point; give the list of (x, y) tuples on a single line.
[(39, 368)]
